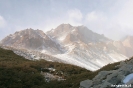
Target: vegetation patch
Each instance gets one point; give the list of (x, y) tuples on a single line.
[(18, 72)]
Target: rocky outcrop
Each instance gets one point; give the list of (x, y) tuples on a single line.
[(114, 78)]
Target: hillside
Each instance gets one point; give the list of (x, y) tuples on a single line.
[(16, 71)]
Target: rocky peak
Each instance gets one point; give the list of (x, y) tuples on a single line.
[(31, 39), (64, 26), (66, 32)]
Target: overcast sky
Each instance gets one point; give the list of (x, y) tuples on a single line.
[(113, 18)]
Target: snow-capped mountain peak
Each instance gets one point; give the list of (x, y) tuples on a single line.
[(75, 45)]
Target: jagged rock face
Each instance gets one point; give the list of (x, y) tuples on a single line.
[(30, 39)]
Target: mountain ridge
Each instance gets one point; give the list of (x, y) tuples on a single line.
[(30, 39), (75, 45)]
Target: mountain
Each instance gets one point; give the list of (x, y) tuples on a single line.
[(85, 48), (75, 45), (65, 33), (31, 39), (128, 43)]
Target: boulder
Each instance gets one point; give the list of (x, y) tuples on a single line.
[(86, 84)]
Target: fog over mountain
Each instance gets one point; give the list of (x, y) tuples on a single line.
[(75, 45), (113, 18)]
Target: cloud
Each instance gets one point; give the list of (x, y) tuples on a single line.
[(112, 18), (96, 21), (96, 16), (2, 22), (123, 18), (114, 23), (101, 23), (92, 16), (74, 17), (125, 15), (75, 14)]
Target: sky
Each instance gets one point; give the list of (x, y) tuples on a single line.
[(113, 18)]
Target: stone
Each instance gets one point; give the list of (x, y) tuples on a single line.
[(86, 84), (105, 79)]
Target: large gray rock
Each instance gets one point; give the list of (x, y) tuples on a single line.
[(105, 79), (86, 84)]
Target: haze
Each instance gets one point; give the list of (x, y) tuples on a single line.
[(113, 18)]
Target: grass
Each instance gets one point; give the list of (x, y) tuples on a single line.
[(18, 72)]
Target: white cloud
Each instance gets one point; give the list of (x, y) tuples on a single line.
[(96, 16), (92, 16), (112, 18), (123, 18), (109, 26), (74, 17), (96, 21), (2, 22), (75, 14), (115, 25), (125, 15)]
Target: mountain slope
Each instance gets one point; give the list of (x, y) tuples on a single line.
[(31, 39), (85, 48), (18, 72)]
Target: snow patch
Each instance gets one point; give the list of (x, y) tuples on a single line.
[(77, 61), (128, 78), (70, 47), (62, 38)]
